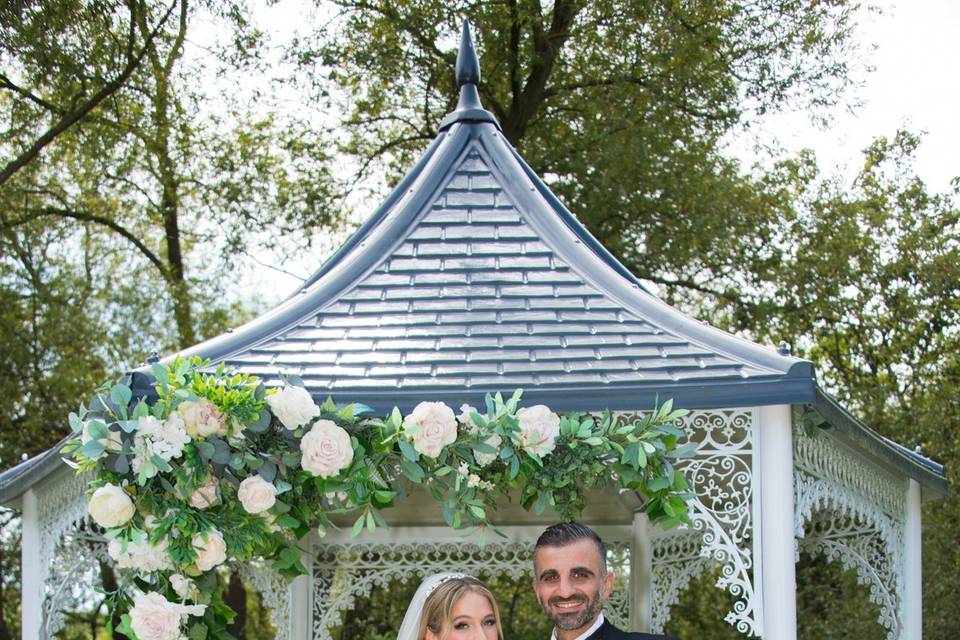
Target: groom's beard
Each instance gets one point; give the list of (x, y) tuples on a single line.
[(576, 619)]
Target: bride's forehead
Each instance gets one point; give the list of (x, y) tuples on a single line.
[(472, 603)]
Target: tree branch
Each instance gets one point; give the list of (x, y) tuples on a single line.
[(84, 216), (72, 117)]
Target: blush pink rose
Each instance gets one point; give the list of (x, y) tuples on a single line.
[(202, 418), (210, 552), (205, 495), (539, 429), (326, 449), (432, 426), (154, 618)]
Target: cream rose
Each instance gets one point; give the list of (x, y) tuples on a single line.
[(110, 506), (293, 406), (210, 552), (432, 426), (326, 449), (205, 495), (256, 494), (539, 428), (202, 418)]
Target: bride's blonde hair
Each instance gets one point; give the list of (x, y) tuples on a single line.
[(438, 608)]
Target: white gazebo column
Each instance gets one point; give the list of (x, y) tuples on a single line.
[(641, 573), (912, 588), (301, 601), (778, 574), (32, 576)]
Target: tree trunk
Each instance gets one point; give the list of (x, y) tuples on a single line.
[(236, 599), (109, 581)]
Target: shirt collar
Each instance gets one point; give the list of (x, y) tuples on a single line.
[(586, 634)]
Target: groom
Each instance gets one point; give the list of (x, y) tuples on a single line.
[(572, 582)]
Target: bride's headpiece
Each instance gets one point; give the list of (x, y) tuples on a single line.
[(411, 621)]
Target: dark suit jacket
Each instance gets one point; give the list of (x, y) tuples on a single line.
[(609, 632)]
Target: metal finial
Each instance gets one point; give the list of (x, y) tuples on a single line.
[(784, 348), (154, 358), (468, 65)]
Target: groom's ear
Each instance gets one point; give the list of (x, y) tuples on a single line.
[(608, 584)]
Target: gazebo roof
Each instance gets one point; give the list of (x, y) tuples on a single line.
[(473, 277)]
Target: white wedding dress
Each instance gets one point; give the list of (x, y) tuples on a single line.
[(411, 620)]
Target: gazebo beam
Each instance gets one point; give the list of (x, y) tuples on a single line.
[(777, 570)]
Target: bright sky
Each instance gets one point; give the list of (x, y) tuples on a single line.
[(914, 85)]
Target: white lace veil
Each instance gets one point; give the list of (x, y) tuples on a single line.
[(411, 621)]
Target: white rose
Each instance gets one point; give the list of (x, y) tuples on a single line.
[(202, 418), (110, 506), (182, 585), (154, 618), (483, 459), (145, 557), (326, 449), (205, 495), (539, 428), (256, 494), (210, 552), (293, 406), (432, 426)]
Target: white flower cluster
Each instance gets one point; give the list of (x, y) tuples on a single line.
[(162, 439), (143, 557), (153, 617)]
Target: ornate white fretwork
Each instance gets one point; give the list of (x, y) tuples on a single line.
[(677, 559), (73, 573), (61, 507), (721, 476), (344, 572), (274, 589), (850, 511)]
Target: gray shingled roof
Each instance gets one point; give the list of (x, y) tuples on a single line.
[(472, 278)]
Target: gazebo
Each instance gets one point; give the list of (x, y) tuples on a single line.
[(471, 278)]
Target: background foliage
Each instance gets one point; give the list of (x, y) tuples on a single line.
[(142, 164)]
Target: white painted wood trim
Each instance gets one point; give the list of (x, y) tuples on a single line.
[(641, 574), (31, 599), (913, 566), (774, 447)]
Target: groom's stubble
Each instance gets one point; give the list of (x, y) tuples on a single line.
[(576, 621)]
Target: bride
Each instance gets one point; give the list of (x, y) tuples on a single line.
[(451, 606)]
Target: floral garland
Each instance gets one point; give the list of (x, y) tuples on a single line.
[(217, 469)]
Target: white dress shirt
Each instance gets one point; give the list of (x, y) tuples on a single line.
[(586, 634)]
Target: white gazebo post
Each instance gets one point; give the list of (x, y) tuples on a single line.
[(913, 569), (641, 573), (778, 573), (32, 580)]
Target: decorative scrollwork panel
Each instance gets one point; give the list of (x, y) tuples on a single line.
[(677, 559), (73, 575), (852, 512), (721, 477)]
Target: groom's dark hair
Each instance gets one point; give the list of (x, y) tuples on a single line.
[(564, 533)]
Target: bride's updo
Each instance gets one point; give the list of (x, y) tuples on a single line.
[(438, 608)]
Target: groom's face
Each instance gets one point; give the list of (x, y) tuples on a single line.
[(571, 584)]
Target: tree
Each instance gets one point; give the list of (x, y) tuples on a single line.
[(620, 105)]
